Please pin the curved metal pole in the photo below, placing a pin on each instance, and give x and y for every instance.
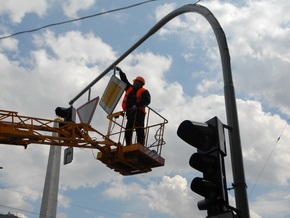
(230, 100)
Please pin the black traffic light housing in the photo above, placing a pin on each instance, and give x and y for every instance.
(68, 114)
(209, 140)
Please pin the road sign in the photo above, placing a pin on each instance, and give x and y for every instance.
(112, 94)
(86, 111)
(68, 155)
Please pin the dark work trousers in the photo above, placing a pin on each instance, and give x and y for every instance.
(135, 120)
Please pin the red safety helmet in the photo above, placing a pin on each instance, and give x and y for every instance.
(141, 79)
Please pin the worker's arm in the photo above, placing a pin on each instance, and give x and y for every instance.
(123, 77)
(145, 100)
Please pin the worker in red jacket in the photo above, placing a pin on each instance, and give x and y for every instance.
(134, 103)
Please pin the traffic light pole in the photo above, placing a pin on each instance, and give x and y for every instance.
(230, 100)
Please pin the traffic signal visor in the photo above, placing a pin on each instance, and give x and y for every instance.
(199, 135)
(204, 163)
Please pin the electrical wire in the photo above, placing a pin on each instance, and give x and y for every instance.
(77, 19)
(74, 205)
(268, 158)
(17, 209)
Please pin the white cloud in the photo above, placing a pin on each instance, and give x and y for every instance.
(74, 47)
(16, 13)
(165, 195)
(61, 215)
(259, 133)
(161, 197)
(271, 204)
(9, 45)
(72, 7)
(119, 190)
(14, 199)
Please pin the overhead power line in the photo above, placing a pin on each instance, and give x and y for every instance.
(268, 158)
(59, 201)
(18, 209)
(77, 19)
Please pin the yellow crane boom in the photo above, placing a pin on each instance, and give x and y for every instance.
(127, 160)
(24, 130)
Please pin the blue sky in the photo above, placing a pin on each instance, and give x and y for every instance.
(181, 64)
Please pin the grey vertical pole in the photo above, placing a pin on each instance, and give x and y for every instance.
(50, 191)
(240, 186)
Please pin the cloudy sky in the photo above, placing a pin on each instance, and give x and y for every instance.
(45, 69)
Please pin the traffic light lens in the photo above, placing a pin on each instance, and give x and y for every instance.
(204, 188)
(199, 135)
(203, 163)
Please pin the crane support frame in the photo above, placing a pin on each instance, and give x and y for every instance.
(24, 130)
(127, 160)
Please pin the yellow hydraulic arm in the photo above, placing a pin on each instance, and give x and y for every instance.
(23, 130)
(127, 160)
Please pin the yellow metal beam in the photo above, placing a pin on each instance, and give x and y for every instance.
(23, 130)
(127, 160)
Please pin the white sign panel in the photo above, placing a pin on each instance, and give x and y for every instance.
(112, 94)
